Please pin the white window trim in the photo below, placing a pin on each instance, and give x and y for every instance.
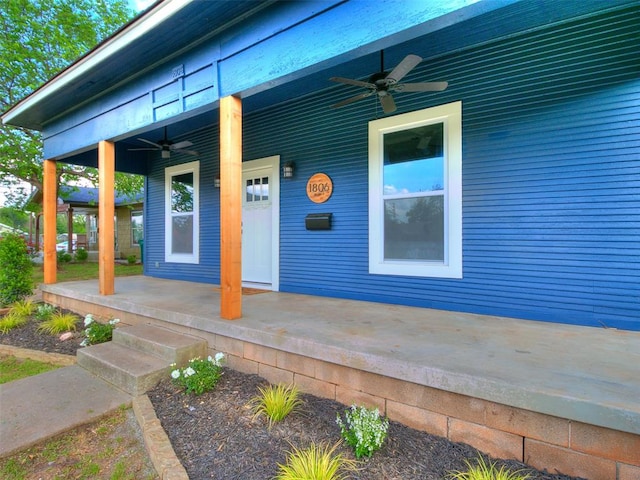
(131, 214)
(169, 172)
(451, 116)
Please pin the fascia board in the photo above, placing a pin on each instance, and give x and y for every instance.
(128, 35)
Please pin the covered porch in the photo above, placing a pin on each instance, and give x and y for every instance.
(559, 397)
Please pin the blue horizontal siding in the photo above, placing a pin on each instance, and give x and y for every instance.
(551, 181)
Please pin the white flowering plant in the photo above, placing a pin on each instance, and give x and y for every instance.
(96, 332)
(363, 429)
(200, 375)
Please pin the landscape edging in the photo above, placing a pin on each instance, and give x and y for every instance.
(40, 356)
(157, 442)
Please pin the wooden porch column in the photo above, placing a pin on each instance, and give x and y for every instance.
(49, 212)
(70, 230)
(106, 199)
(230, 208)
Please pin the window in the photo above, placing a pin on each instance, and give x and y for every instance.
(182, 231)
(415, 194)
(137, 228)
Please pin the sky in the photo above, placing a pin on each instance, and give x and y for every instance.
(139, 5)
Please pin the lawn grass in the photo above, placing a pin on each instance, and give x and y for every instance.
(12, 368)
(108, 449)
(83, 271)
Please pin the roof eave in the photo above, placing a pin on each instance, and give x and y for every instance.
(139, 26)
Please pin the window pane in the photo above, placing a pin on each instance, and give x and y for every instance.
(182, 193)
(265, 188)
(137, 231)
(249, 191)
(414, 229)
(413, 160)
(182, 234)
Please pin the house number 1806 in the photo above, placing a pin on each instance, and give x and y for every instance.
(319, 188)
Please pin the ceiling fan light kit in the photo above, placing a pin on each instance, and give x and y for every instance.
(383, 84)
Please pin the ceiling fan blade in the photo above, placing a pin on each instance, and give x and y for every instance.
(405, 66)
(349, 81)
(181, 145)
(421, 87)
(150, 142)
(352, 99)
(388, 105)
(188, 152)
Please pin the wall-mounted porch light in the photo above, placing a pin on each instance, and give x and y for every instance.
(216, 181)
(287, 169)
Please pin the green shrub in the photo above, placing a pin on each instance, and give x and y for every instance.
(82, 255)
(131, 259)
(44, 311)
(317, 462)
(276, 402)
(484, 471)
(59, 322)
(96, 332)
(363, 429)
(15, 270)
(199, 375)
(11, 321)
(64, 257)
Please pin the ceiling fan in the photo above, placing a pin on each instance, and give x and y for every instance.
(166, 146)
(384, 83)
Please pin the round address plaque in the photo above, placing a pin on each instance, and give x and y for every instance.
(319, 188)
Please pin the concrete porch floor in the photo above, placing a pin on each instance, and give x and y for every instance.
(582, 374)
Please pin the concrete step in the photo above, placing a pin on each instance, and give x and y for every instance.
(160, 342)
(130, 370)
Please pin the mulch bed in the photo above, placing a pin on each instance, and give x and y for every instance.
(215, 435)
(28, 336)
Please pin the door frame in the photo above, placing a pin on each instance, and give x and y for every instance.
(274, 192)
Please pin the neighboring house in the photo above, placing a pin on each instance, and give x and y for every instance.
(128, 224)
(514, 192)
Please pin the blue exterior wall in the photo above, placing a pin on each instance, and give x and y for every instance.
(551, 181)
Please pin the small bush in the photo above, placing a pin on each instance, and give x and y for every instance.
(97, 332)
(64, 257)
(23, 308)
(11, 321)
(44, 311)
(199, 375)
(15, 270)
(484, 471)
(363, 429)
(82, 255)
(276, 402)
(317, 462)
(59, 322)
(131, 259)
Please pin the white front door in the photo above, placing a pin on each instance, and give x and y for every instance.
(258, 226)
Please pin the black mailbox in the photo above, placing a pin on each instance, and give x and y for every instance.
(318, 221)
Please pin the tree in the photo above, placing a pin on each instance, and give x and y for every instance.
(39, 39)
(15, 218)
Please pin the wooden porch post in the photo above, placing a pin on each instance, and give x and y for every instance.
(230, 208)
(70, 230)
(106, 199)
(49, 211)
